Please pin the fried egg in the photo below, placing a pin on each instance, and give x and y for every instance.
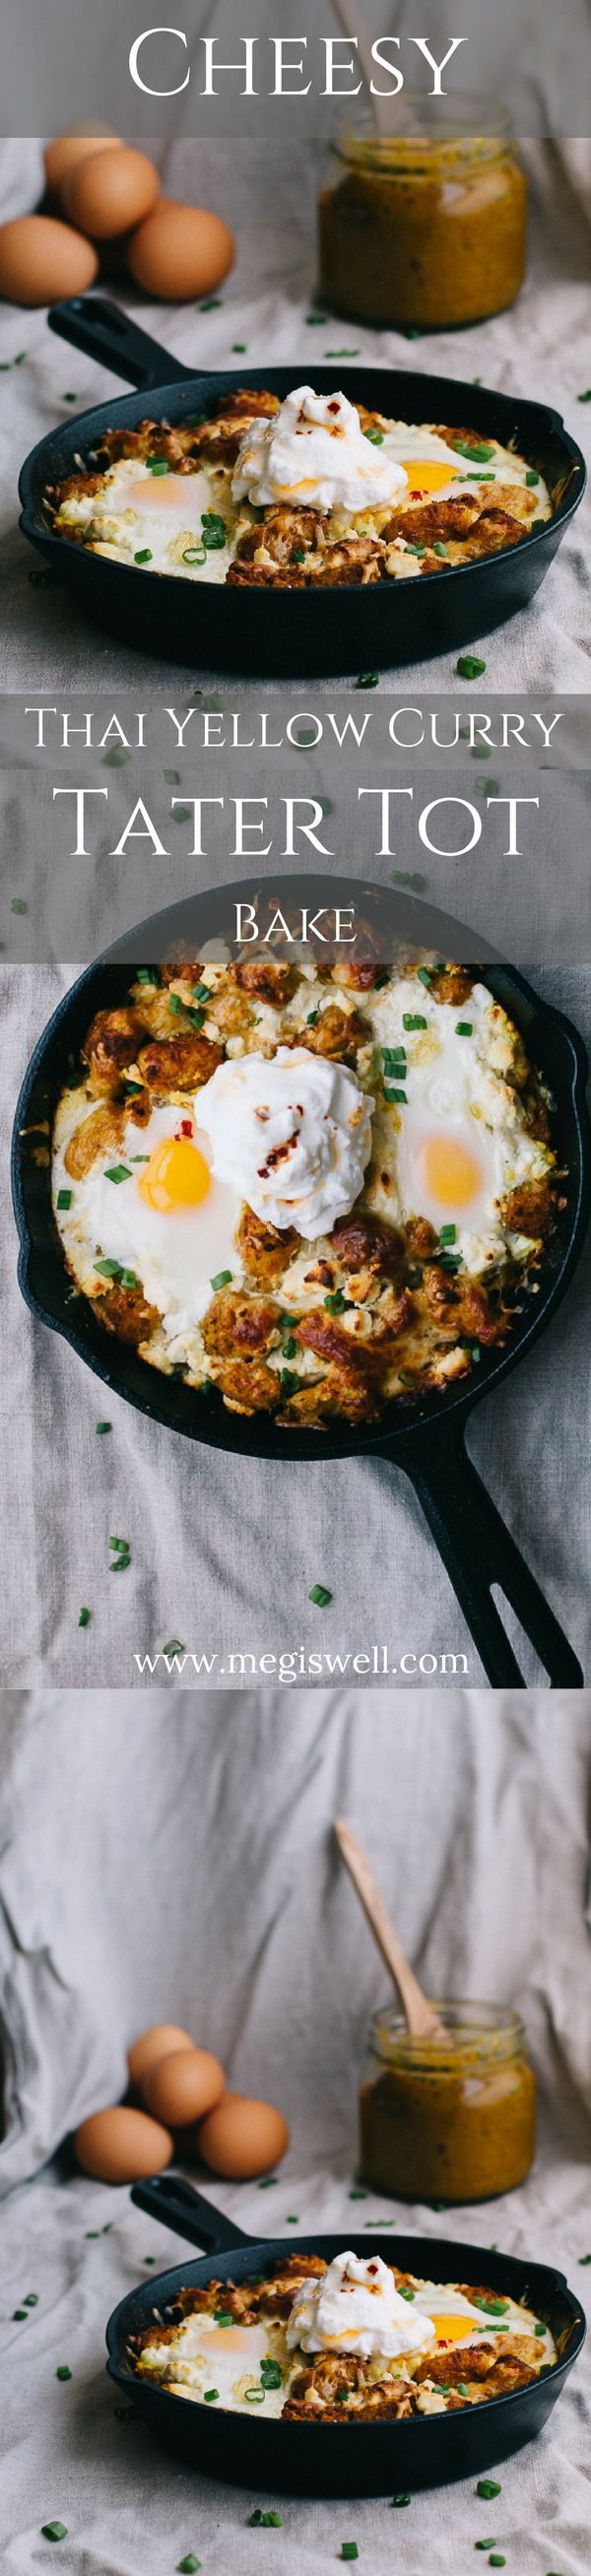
(437, 470)
(221, 2364)
(163, 1215)
(461, 1142)
(159, 519)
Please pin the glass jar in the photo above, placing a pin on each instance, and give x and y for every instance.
(448, 2120)
(427, 229)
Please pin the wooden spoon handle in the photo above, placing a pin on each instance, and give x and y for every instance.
(421, 2020)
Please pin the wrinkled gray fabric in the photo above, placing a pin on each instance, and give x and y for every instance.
(540, 349)
(176, 1860)
(225, 1551)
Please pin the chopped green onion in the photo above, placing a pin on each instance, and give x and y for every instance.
(214, 529)
(313, 1016)
(222, 1279)
(129, 1279)
(488, 2487)
(289, 1348)
(157, 465)
(539, 2330)
(402, 2499)
(375, 436)
(368, 680)
(438, 547)
(19, 2316)
(461, 2388)
(272, 2521)
(222, 2316)
(335, 1303)
(394, 1060)
(62, 2371)
(320, 1596)
(118, 1172)
(396, 1095)
(424, 976)
(464, 1028)
(407, 2294)
(188, 2566)
(209, 2396)
(469, 666)
(413, 550)
(17, 904)
(270, 2373)
(147, 975)
(212, 305)
(313, 319)
(535, 525)
(54, 2530)
(64, 1198)
(413, 1020)
(477, 454)
(83, 1618)
(194, 554)
(108, 1269)
(254, 2396)
(299, 555)
(532, 478)
(102, 1427)
(448, 1234)
(289, 1381)
(145, 555)
(201, 993)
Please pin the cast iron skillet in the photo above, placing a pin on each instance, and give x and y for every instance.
(427, 1441)
(335, 2459)
(284, 632)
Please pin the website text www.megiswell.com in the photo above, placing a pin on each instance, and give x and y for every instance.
(375, 1662)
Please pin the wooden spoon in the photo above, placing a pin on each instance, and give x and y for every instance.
(385, 111)
(421, 2020)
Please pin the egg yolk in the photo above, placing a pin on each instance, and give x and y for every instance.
(452, 2329)
(176, 1176)
(228, 2339)
(427, 476)
(160, 492)
(451, 1175)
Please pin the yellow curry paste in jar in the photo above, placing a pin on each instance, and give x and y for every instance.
(428, 230)
(448, 2121)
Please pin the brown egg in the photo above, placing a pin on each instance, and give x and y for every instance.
(61, 155)
(41, 260)
(180, 252)
(109, 191)
(122, 2146)
(154, 2044)
(242, 2138)
(184, 2086)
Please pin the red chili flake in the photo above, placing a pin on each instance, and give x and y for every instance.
(334, 406)
(186, 1127)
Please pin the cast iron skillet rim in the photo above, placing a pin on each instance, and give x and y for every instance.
(314, 1446)
(268, 2248)
(544, 413)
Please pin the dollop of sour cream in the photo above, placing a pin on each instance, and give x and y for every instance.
(292, 1135)
(355, 2307)
(314, 453)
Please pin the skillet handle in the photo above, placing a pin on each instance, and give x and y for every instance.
(478, 1552)
(175, 2203)
(103, 331)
